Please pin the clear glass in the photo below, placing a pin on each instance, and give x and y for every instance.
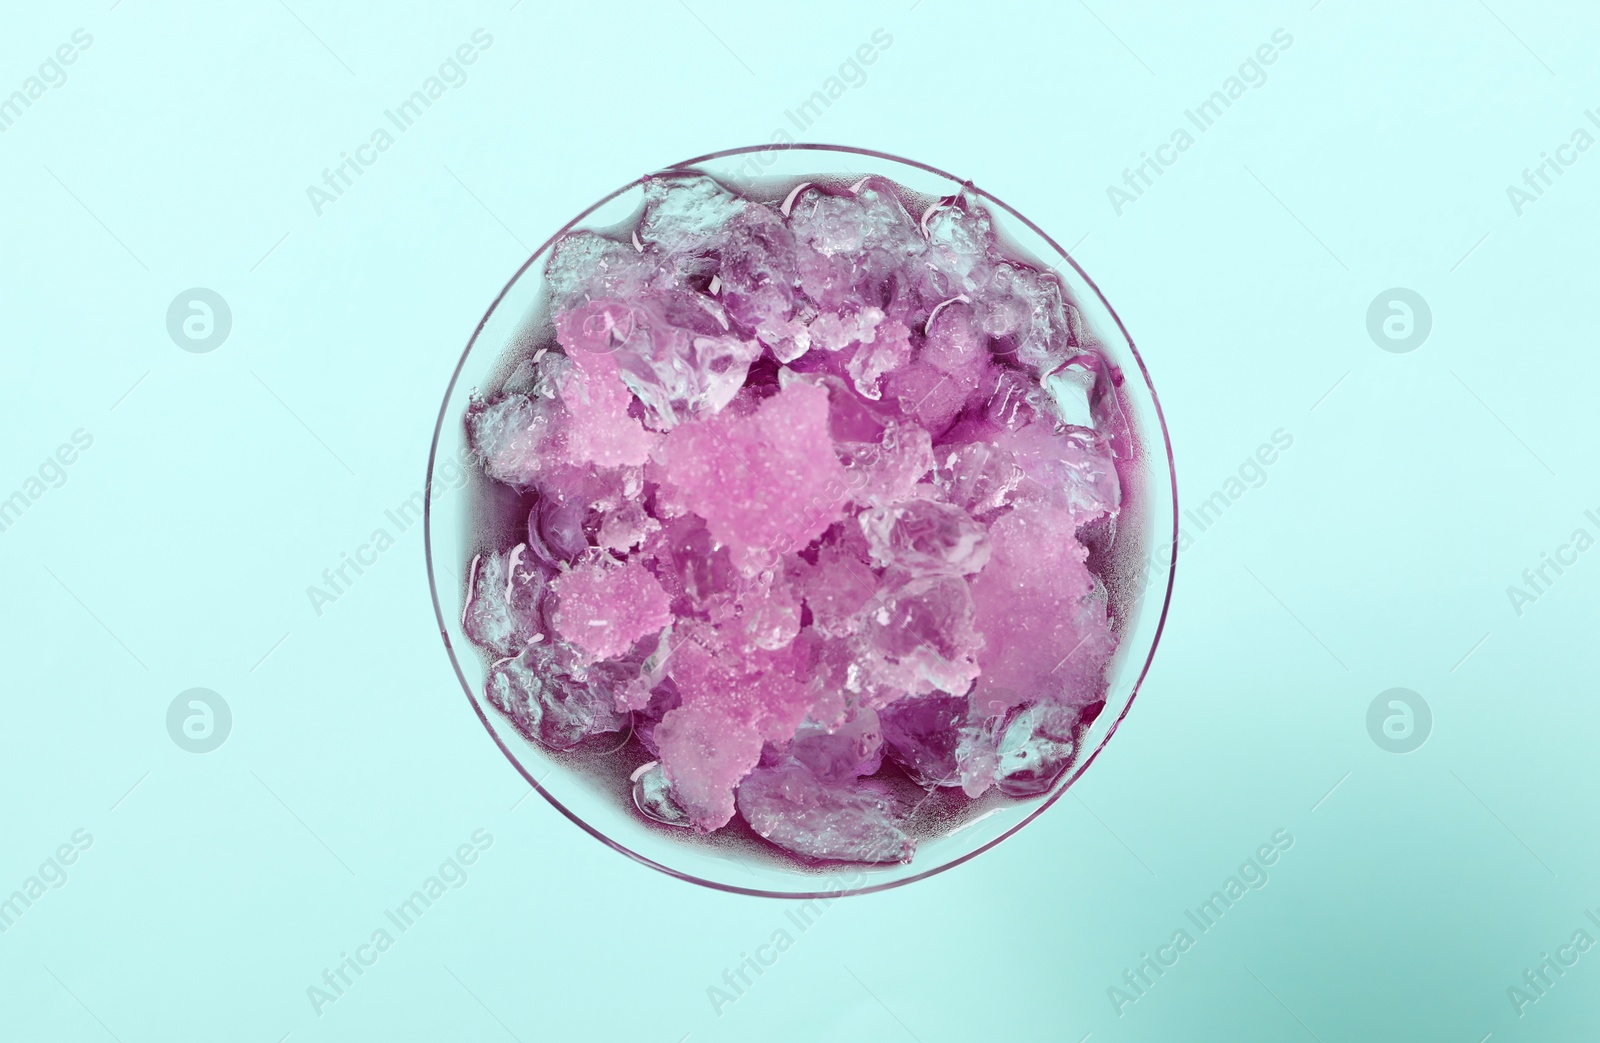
(1139, 561)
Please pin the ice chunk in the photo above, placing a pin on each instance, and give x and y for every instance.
(1072, 468)
(503, 600)
(890, 469)
(1042, 632)
(733, 700)
(703, 756)
(759, 481)
(600, 431)
(978, 755)
(682, 211)
(586, 263)
(626, 528)
(547, 704)
(1026, 313)
(924, 537)
(679, 361)
(847, 823)
(725, 677)
(930, 397)
(837, 588)
(603, 609)
(955, 346)
(764, 612)
(663, 698)
(1014, 399)
(652, 795)
(960, 238)
(919, 636)
(979, 477)
(1037, 745)
(756, 280)
(831, 331)
(851, 749)
(920, 734)
(885, 350)
(516, 437)
(690, 563)
(555, 529)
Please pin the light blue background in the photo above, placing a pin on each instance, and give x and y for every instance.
(1377, 555)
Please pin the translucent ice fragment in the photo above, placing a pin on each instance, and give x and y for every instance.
(1036, 746)
(960, 238)
(1072, 467)
(888, 470)
(978, 476)
(920, 734)
(756, 280)
(850, 749)
(930, 397)
(866, 224)
(516, 437)
(832, 331)
(626, 528)
(503, 599)
(683, 210)
(924, 537)
(663, 697)
(1026, 314)
(763, 612)
(919, 637)
(831, 822)
(954, 343)
(733, 699)
(588, 264)
(716, 672)
(555, 529)
(548, 705)
(600, 430)
(884, 350)
(837, 588)
(653, 796)
(690, 562)
(978, 755)
(703, 756)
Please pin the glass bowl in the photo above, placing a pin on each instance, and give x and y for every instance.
(1135, 554)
